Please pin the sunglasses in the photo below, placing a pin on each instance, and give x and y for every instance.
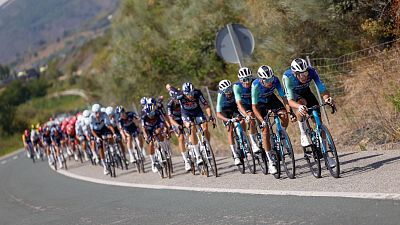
(228, 91)
(246, 80)
(269, 80)
(303, 74)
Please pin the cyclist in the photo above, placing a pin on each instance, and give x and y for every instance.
(189, 99)
(242, 92)
(175, 118)
(88, 134)
(263, 98)
(297, 80)
(46, 139)
(227, 111)
(71, 137)
(56, 136)
(35, 139)
(153, 123)
(80, 123)
(112, 116)
(100, 127)
(26, 140)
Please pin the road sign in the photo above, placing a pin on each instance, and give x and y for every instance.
(233, 42)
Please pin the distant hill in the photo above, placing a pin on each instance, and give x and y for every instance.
(27, 26)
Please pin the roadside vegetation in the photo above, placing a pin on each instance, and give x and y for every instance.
(152, 43)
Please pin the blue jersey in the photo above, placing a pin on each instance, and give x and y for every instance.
(128, 123)
(174, 110)
(225, 103)
(192, 106)
(262, 94)
(97, 124)
(151, 122)
(294, 86)
(242, 93)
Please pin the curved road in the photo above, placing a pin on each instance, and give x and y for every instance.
(34, 194)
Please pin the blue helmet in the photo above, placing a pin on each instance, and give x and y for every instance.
(187, 88)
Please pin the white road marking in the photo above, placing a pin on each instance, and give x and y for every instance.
(386, 196)
(15, 157)
(3, 162)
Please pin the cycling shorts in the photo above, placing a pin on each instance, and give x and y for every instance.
(273, 103)
(309, 97)
(196, 118)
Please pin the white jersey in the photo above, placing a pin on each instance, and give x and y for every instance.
(98, 124)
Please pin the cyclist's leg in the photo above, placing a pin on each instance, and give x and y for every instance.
(253, 129)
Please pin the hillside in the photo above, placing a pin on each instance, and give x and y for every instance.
(27, 26)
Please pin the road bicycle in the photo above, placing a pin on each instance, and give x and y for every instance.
(243, 149)
(322, 147)
(282, 150)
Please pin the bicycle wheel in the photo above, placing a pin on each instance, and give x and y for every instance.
(276, 159)
(32, 153)
(249, 159)
(288, 160)
(313, 161)
(64, 161)
(331, 152)
(241, 166)
(169, 167)
(211, 159)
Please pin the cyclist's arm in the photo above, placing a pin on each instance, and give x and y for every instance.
(255, 91)
(282, 94)
(287, 83)
(321, 86)
(238, 98)
(219, 108)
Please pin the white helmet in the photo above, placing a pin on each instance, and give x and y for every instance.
(244, 72)
(103, 109)
(79, 118)
(224, 84)
(143, 101)
(96, 108)
(299, 65)
(86, 113)
(265, 72)
(109, 111)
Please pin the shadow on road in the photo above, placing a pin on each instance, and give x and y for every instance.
(372, 166)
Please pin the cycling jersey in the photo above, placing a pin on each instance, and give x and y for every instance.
(191, 107)
(128, 124)
(34, 135)
(295, 88)
(151, 124)
(227, 105)
(242, 94)
(174, 111)
(97, 124)
(161, 108)
(46, 138)
(262, 94)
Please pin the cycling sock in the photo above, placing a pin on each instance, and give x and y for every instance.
(152, 158)
(253, 139)
(233, 151)
(197, 150)
(103, 163)
(184, 156)
(302, 126)
(130, 151)
(269, 156)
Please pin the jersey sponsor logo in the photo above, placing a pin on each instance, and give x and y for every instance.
(190, 105)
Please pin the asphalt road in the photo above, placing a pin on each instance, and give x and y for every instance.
(34, 194)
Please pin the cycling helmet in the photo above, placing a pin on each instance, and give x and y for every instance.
(96, 108)
(244, 72)
(265, 72)
(86, 113)
(150, 108)
(109, 111)
(187, 88)
(299, 65)
(224, 85)
(103, 109)
(80, 117)
(143, 101)
(119, 109)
